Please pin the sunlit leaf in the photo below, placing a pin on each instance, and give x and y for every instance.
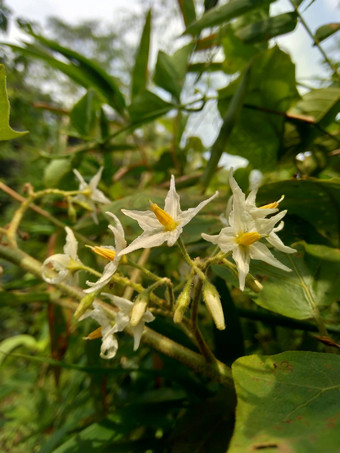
(187, 8)
(223, 13)
(84, 113)
(268, 28)
(287, 402)
(147, 106)
(140, 70)
(55, 171)
(6, 132)
(325, 31)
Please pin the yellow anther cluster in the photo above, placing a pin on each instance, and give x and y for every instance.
(248, 238)
(163, 217)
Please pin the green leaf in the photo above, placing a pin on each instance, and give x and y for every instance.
(55, 171)
(316, 201)
(84, 113)
(268, 28)
(9, 344)
(96, 76)
(140, 70)
(226, 130)
(188, 12)
(257, 132)
(6, 132)
(311, 283)
(170, 71)
(148, 106)
(93, 439)
(224, 13)
(237, 53)
(287, 402)
(327, 30)
(322, 104)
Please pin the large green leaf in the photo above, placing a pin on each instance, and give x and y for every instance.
(287, 403)
(258, 131)
(6, 132)
(187, 8)
(147, 106)
(311, 284)
(171, 70)
(84, 113)
(223, 13)
(140, 70)
(268, 28)
(316, 201)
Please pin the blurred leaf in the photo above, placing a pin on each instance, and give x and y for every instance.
(55, 171)
(170, 71)
(268, 28)
(258, 131)
(223, 13)
(327, 30)
(83, 114)
(148, 106)
(287, 402)
(237, 53)
(187, 8)
(6, 132)
(140, 70)
(229, 120)
(93, 439)
(322, 104)
(8, 345)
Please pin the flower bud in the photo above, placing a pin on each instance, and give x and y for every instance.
(138, 309)
(213, 302)
(182, 303)
(84, 304)
(253, 284)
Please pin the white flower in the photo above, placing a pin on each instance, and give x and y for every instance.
(65, 264)
(246, 226)
(111, 253)
(92, 195)
(109, 344)
(123, 318)
(162, 225)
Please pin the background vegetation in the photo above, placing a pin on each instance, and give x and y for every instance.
(89, 97)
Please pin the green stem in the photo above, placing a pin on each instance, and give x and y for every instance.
(187, 258)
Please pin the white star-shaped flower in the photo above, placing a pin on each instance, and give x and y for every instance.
(162, 225)
(123, 318)
(109, 344)
(111, 253)
(246, 226)
(65, 264)
(93, 194)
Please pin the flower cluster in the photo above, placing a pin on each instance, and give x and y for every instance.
(247, 233)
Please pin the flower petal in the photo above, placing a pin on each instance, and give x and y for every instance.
(146, 219)
(71, 246)
(241, 258)
(137, 335)
(171, 204)
(259, 251)
(146, 240)
(109, 346)
(82, 181)
(59, 264)
(276, 242)
(108, 272)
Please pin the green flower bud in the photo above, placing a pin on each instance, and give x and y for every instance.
(84, 304)
(213, 302)
(253, 284)
(138, 309)
(182, 303)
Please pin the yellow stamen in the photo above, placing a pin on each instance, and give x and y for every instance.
(248, 238)
(163, 217)
(109, 254)
(273, 205)
(95, 334)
